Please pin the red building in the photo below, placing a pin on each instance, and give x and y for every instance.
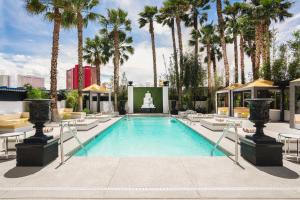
(89, 77)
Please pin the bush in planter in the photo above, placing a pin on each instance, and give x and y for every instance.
(71, 99)
(35, 93)
(87, 111)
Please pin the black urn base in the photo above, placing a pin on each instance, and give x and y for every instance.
(263, 152)
(36, 154)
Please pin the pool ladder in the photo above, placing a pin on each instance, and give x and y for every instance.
(68, 124)
(231, 124)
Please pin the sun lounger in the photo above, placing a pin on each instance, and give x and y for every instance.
(297, 121)
(214, 124)
(86, 124)
(184, 114)
(197, 117)
(100, 117)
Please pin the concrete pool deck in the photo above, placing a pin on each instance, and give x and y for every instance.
(149, 177)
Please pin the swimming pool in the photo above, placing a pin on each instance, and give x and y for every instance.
(148, 136)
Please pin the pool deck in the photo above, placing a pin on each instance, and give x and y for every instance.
(150, 177)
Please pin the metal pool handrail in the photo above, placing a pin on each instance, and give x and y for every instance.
(230, 124)
(67, 124)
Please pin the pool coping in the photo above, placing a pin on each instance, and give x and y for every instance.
(227, 153)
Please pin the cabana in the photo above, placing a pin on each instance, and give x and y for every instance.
(223, 99)
(94, 91)
(259, 88)
(295, 104)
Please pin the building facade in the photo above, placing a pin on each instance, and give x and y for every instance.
(89, 77)
(4, 80)
(34, 81)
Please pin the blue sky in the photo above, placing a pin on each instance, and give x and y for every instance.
(25, 41)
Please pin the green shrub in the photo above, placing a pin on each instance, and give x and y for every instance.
(71, 99)
(35, 93)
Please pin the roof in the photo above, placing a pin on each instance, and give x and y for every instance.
(231, 87)
(296, 80)
(10, 89)
(259, 83)
(96, 88)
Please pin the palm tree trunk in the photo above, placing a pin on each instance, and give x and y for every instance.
(252, 56)
(208, 50)
(214, 71)
(257, 50)
(236, 59)
(80, 55)
(195, 23)
(176, 61)
(242, 59)
(116, 60)
(53, 71)
(179, 35)
(151, 30)
(264, 43)
(98, 72)
(223, 41)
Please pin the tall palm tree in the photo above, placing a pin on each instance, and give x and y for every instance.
(221, 24)
(264, 12)
(207, 39)
(96, 52)
(196, 11)
(116, 20)
(178, 9)
(232, 12)
(148, 17)
(53, 10)
(167, 18)
(80, 13)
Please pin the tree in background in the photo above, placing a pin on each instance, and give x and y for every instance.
(178, 8)
(147, 16)
(80, 13)
(221, 24)
(96, 52)
(232, 13)
(167, 17)
(54, 11)
(114, 23)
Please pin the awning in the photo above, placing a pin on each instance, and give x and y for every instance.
(259, 83)
(96, 89)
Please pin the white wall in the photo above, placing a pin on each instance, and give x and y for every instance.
(130, 99)
(165, 99)
(7, 107)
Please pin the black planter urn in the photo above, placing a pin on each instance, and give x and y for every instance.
(122, 110)
(260, 149)
(39, 149)
(174, 111)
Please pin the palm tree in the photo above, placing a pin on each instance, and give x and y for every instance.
(115, 21)
(264, 12)
(232, 12)
(148, 16)
(80, 13)
(207, 39)
(221, 24)
(53, 10)
(96, 52)
(178, 9)
(167, 18)
(197, 9)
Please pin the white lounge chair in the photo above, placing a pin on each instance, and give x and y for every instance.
(184, 114)
(215, 124)
(197, 117)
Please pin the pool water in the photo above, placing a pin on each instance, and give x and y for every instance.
(148, 136)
